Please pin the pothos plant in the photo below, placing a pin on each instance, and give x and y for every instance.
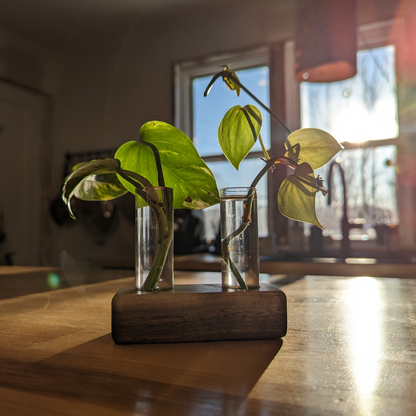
(163, 157)
(306, 150)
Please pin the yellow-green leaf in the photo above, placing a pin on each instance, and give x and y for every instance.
(238, 132)
(194, 185)
(313, 146)
(296, 197)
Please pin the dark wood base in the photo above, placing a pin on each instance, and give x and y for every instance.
(198, 313)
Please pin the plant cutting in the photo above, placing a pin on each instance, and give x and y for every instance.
(306, 150)
(163, 157)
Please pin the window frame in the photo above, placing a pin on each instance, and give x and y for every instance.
(186, 72)
(285, 102)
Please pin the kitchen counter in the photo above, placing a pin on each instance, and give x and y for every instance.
(350, 349)
(316, 266)
(25, 280)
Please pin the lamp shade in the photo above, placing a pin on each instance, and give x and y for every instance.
(326, 40)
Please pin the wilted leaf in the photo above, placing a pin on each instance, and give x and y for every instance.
(194, 186)
(229, 82)
(75, 180)
(296, 197)
(100, 188)
(238, 132)
(313, 146)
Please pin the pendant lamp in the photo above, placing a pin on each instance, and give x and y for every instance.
(326, 40)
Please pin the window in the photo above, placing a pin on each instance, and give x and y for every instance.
(200, 117)
(358, 109)
(360, 112)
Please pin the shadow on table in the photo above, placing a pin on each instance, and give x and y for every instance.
(285, 280)
(183, 379)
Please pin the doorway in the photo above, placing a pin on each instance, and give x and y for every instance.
(23, 173)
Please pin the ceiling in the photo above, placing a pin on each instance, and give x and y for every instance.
(51, 22)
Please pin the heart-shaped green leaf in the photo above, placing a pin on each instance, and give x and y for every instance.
(105, 188)
(313, 146)
(238, 132)
(296, 197)
(194, 186)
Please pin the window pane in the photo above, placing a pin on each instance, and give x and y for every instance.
(208, 111)
(371, 192)
(207, 115)
(357, 109)
(227, 176)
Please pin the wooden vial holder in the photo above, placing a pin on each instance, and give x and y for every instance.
(198, 313)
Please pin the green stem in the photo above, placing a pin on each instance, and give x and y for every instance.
(225, 243)
(138, 180)
(160, 210)
(270, 164)
(160, 178)
(263, 147)
(237, 275)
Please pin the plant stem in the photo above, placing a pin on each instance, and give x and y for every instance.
(246, 218)
(160, 210)
(225, 243)
(138, 181)
(263, 147)
(270, 165)
(160, 178)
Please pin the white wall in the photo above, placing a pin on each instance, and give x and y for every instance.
(28, 63)
(114, 83)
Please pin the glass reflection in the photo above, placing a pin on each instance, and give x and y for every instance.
(365, 338)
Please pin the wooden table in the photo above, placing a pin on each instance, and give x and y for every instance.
(350, 349)
(25, 280)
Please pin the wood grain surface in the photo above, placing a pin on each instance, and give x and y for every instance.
(349, 350)
(192, 313)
